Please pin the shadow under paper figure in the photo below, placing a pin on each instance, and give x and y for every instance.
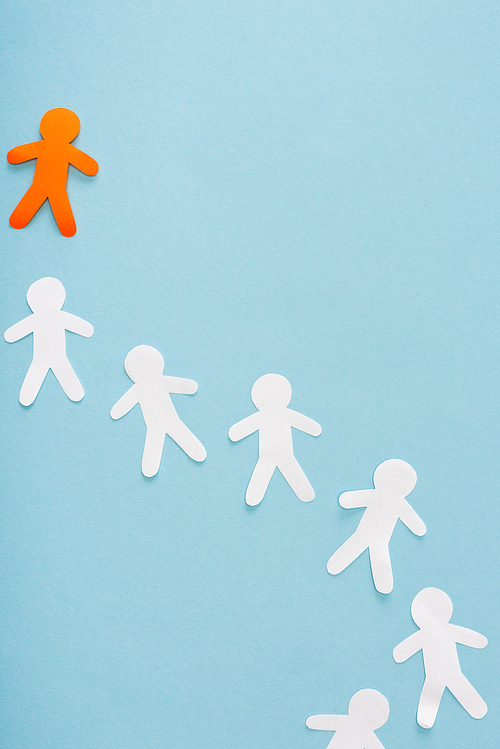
(431, 611)
(385, 505)
(271, 395)
(53, 154)
(144, 365)
(49, 324)
(368, 710)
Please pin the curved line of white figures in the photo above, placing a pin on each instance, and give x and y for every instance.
(385, 504)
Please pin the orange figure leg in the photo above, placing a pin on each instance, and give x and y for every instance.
(61, 208)
(27, 207)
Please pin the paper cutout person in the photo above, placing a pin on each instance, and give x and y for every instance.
(49, 324)
(368, 710)
(53, 155)
(144, 365)
(385, 504)
(431, 611)
(271, 395)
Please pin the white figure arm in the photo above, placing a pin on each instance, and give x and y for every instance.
(76, 325)
(244, 427)
(359, 498)
(408, 647)
(304, 423)
(181, 385)
(19, 330)
(326, 722)
(410, 518)
(125, 404)
(468, 637)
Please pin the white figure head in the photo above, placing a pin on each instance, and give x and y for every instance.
(46, 294)
(430, 607)
(143, 363)
(270, 392)
(369, 708)
(395, 476)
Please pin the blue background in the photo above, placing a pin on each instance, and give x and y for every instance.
(303, 188)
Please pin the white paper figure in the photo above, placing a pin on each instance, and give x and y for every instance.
(368, 710)
(49, 324)
(144, 365)
(431, 611)
(274, 421)
(385, 504)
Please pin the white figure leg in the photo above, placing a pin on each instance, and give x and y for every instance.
(381, 567)
(153, 449)
(32, 383)
(348, 552)
(191, 445)
(259, 481)
(465, 693)
(297, 479)
(68, 380)
(429, 702)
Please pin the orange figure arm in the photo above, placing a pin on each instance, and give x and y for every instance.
(19, 154)
(83, 162)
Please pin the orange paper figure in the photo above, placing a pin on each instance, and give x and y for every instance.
(54, 154)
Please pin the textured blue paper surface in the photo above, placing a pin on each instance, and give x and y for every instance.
(302, 188)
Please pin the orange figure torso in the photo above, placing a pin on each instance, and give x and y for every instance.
(53, 155)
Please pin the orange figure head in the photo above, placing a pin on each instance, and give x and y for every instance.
(61, 125)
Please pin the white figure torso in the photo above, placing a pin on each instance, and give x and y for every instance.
(275, 434)
(49, 336)
(154, 399)
(439, 650)
(381, 515)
